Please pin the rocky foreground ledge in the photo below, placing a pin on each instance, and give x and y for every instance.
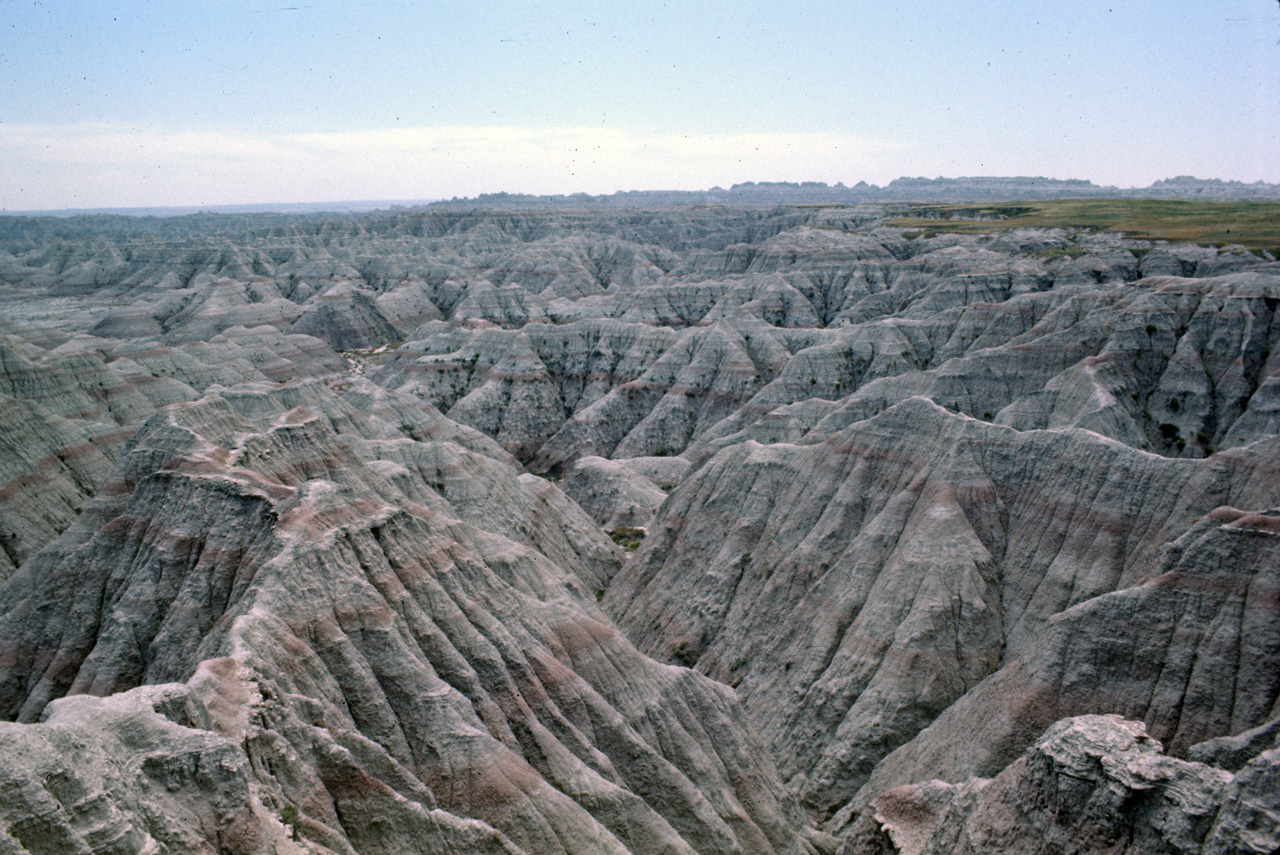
(685, 531)
(1090, 784)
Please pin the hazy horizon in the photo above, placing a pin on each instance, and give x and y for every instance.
(353, 206)
(126, 105)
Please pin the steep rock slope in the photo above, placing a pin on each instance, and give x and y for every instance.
(1194, 652)
(860, 304)
(68, 404)
(401, 676)
(853, 590)
(136, 772)
(1177, 366)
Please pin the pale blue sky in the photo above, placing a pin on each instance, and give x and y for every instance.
(181, 103)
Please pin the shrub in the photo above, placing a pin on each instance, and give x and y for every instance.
(627, 537)
(684, 655)
(289, 815)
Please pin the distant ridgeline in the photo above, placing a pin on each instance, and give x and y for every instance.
(24, 229)
(982, 189)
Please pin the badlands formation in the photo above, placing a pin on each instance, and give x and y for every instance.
(686, 530)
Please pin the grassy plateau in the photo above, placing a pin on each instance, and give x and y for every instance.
(1254, 225)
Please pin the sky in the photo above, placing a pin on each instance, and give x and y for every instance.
(128, 104)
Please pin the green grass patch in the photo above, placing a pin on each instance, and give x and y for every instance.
(1255, 225)
(627, 537)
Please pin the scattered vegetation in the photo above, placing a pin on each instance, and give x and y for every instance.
(684, 655)
(1254, 225)
(290, 816)
(627, 537)
(1172, 435)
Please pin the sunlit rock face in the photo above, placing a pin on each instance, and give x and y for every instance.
(305, 536)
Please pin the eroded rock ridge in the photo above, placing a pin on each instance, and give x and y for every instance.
(709, 529)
